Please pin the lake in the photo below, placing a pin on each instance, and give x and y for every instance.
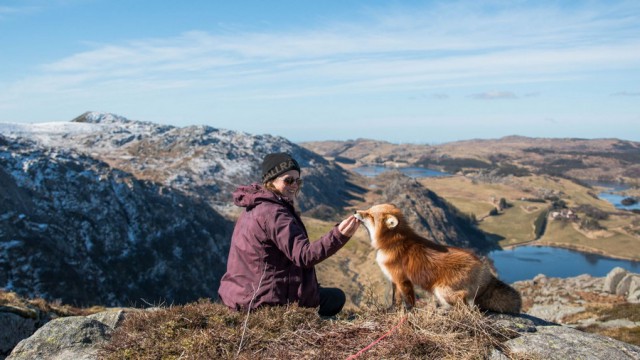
(525, 262)
(616, 200)
(612, 194)
(412, 171)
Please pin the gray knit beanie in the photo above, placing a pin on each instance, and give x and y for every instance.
(276, 164)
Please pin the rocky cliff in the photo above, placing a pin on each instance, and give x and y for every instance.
(75, 229)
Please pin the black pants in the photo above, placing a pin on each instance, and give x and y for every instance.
(331, 301)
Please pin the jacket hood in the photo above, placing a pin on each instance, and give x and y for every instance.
(249, 196)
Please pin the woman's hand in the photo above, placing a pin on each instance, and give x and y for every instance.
(349, 226)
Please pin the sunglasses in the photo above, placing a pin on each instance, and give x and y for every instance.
(290, 180)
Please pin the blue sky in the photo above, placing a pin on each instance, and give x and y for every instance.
(414, 71)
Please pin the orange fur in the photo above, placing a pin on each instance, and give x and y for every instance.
(454, 275)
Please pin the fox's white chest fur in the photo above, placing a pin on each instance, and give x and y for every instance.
(381, 259)
(370, 229)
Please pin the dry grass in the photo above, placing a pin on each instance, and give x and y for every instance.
(606, 309)
(208, 330)
(26, 307)
(628, 335)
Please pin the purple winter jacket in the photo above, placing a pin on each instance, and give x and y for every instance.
(271, 259)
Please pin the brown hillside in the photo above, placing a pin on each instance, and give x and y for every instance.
(585, 159)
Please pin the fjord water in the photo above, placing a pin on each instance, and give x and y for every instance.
(525, 262)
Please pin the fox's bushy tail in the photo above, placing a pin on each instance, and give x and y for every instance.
(499, 297)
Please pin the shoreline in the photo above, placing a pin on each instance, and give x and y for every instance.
(584, 249)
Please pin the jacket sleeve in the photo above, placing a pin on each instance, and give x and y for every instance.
(292, 240)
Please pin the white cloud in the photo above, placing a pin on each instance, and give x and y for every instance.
(494, 95)
(626, 93)
(449, 45)
(14, 10)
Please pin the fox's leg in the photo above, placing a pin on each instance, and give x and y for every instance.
(394, 296)
(406, 289)
(441, 297)
(448, 297)
(460, 297)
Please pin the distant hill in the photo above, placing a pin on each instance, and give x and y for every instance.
(584, 159)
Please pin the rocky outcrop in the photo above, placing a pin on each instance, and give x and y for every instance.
(17, 323)
(613, 279)
(540, 339)
(73, 337)
(624, 283)
(584, 302)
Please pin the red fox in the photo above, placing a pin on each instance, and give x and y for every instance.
(454, 275)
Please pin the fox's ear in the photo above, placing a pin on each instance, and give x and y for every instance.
(391, 221)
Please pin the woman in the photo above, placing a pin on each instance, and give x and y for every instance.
(271, 260)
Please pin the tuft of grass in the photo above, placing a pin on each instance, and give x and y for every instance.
(207, 329)
(627, 311)
(622, 311)
(11, 300)
(628, 335)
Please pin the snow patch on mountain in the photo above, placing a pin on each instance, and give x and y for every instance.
(50, 133)
(200, 160)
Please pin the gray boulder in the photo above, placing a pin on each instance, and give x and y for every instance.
(554, 312)
(613, 279)
(624, 286)
(17, 323)
(551, 341)
(112, 317)
(634, 285)
(74, 337)
(13, 329)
